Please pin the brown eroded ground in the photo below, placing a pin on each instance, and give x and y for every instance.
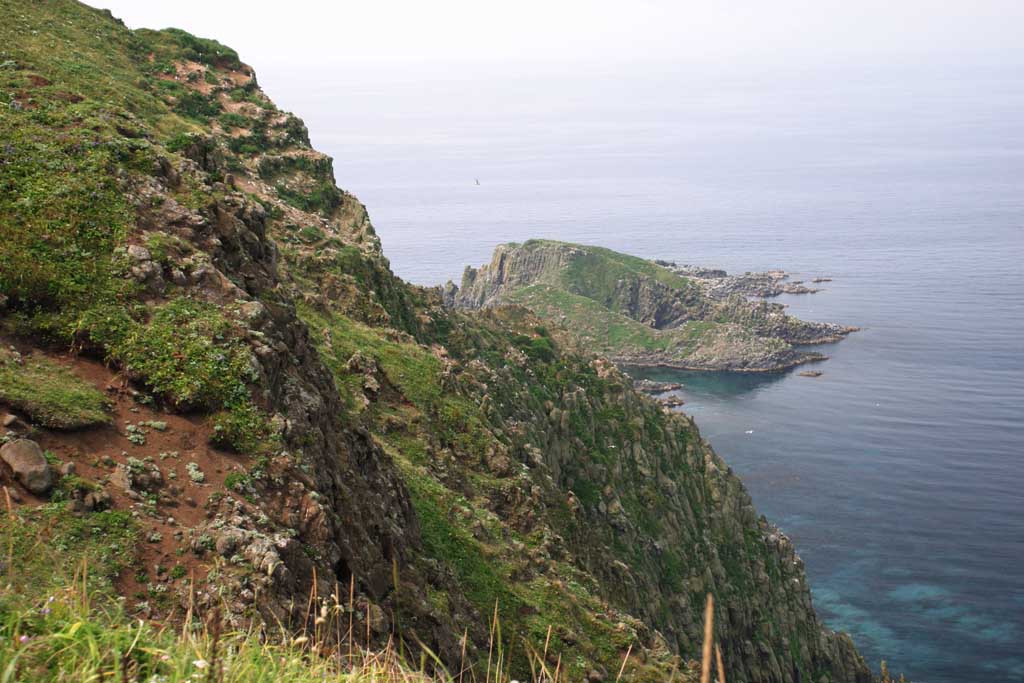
(165, 511)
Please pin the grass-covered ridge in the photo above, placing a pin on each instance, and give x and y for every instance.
(629, 309)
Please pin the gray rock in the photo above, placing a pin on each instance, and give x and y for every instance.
(138, 253)
(30, 467)
(67, 469)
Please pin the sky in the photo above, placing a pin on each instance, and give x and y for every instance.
(568, 33)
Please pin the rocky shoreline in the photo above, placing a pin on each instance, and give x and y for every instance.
(762, 285)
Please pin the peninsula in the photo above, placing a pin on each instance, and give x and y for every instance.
(648, 313)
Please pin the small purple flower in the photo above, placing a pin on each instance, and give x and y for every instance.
(23, 639)
(45, 611)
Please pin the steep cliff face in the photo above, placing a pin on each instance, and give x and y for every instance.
(638, 311)
(164, 216)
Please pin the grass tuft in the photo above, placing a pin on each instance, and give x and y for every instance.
(49, 394)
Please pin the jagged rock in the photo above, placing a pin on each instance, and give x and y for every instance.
(29, 465)
(650, 386)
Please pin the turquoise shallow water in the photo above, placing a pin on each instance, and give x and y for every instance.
(899, 473)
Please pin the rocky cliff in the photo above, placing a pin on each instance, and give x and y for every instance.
(183, 283)
(641, 312)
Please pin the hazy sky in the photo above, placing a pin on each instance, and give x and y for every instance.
(725, 33)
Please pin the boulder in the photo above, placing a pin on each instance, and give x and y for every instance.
(26, 459)
(138, 253)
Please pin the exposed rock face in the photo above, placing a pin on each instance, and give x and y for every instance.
(26, 460)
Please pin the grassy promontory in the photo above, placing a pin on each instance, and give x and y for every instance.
(638, 312)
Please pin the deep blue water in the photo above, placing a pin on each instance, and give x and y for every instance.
(900, 472)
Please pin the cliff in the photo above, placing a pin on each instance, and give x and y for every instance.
(243, 410)
(641, 312)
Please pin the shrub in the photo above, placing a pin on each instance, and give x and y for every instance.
(196, 105)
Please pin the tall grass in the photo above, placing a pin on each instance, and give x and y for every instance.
(61, 622)
(73, 636)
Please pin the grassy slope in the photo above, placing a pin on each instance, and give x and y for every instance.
(598, 268)
(606, 331)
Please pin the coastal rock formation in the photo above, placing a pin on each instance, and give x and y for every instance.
(719, 284)
(329, 426)
(642, 312)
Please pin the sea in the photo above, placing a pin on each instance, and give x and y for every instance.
(898, 473)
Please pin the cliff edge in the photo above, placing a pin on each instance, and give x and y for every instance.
(220, 399)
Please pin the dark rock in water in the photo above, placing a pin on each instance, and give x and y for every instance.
(651, 386)
(811, 373)
(30, 468)
(671, 401)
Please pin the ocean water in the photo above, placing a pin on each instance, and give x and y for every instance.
(899, 473)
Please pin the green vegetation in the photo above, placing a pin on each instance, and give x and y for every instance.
(232, 120)
(173, 43)
(49, 394)
(596, 270)
(478, 574)
(322, 196)
(51, 545)
(61, 207)
(608, 332)
(198, 106)
(632, 310)
(410, 367)
(187, 352)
